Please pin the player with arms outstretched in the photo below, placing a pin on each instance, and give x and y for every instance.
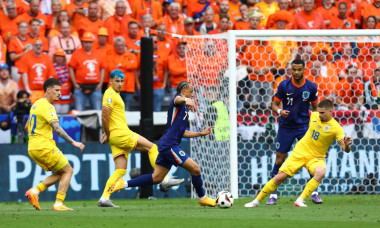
(296, 94)
(170, 152)
(42, 149)
(121, 139)
(309, 152)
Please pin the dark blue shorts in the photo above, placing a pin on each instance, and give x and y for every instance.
(171, 156)
(286, 137)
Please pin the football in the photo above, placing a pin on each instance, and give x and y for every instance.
(224, 199)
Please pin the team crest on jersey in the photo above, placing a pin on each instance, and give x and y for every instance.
(277, 145)
(327, 127)
(305, 95)
(182, 153)
(109, 100)
(52, 113)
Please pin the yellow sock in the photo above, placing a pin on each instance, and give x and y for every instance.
(60, 197)
(268, 189)
(41, 187)
(310, 187)
(113, 178)
(153, 153)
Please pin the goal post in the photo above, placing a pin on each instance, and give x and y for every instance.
(241, 151)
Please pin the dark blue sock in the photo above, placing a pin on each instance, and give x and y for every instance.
(142, 180)
(274, 173)
(198, 183)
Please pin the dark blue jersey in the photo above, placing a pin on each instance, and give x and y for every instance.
(296, 99)
(177, 122)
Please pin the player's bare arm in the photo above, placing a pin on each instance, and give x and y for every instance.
(106, 112)
(346, 144)
(192, 134)
(61, 133)
(185, 100)
(276, 107)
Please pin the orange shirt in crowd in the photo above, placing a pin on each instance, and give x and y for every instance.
(38, 70)
(260, 56)
(127, 63)
(17, 46)
(3, 50)
(241, 25)
(328, 14)
(350, 3)
(194, 7)
(86, 25)
(176, 26)
(106, 51)
(41, 17)
(117, 26)
(267, 10)
(349, 92)
(133, 43)
(233, 10)
(45, 43)
(370, 10)
(336, 22)
(166, 46)
(160, 64)
(141, 8)
(75, 16)
(309, 21)
(87, 66)
(177, 69)
(9, 27)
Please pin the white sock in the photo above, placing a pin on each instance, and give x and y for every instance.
(35, 191)
(125, 184)
(103, 198)
(255, 201)
(299, 199)
(273, 196)
(202, 198)
(314, 193)
(58, 204)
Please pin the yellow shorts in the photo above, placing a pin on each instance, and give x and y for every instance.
(295, 162)
(49, 159)
(122, 142)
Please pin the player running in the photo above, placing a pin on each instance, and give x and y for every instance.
(170, 152)
(296, 94)
(121, 139)
(42, 149)
(309, 152)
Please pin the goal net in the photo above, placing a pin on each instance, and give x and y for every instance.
(235, 76)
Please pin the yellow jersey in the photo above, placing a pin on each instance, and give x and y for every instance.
(319, 137)
(113, 101)
(40, 132)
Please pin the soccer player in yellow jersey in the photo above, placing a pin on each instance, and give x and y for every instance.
(310, 152)
(42, 149)
(121, 139)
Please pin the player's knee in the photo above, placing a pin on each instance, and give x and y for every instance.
(280, 177)
(319, 172)
(157, 178)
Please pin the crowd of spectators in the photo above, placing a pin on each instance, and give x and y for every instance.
(81, 41)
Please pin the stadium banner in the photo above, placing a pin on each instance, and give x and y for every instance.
(345, 172)
(92, 168)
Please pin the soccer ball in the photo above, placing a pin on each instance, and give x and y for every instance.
(224, 199)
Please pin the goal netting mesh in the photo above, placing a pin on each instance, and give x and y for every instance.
(345, 70)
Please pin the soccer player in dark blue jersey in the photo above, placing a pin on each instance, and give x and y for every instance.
(169, 150)
(296, 94)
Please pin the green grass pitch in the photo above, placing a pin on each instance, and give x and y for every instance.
(337, 211)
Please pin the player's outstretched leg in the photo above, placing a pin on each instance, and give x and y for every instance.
(104, 200)
(196, 179)
(280, 158)
(311, 186)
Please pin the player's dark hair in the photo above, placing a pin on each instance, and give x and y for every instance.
(21, 93)
(326, 104)
(51, 82)
(298, 61)
(182, 85)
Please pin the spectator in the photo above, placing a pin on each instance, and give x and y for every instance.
(87, 74)
(342, 21)
(224, 7)
(243, 22)
(233, 9)
(9, 24)
(3, 50)
(371, 22)
(372, 10)
(197, 10)
(143, 7)
(267, 7)
(17, 118)
(66, 41)
(305, 53)
(177, 67)
(164, 44)
(117, 25)
(18, 47)
(108, 8)
(34, 34)
(208, 24)
(324, 84)
(254, 16)
(296, 6)
(62, 74)
(372, 91)
(51, 19)
(63, 16)
(372, 64)
(160, 74)
(251, 3)
(174, 20)
(8, 90)
(106, 49)
(189, 27)
(126, 62)
(346, 60)
(78, 9)
(35, 12)
(133, 39)
(309, 18)
(35, 67)
(223, 25)
(92, 23)
(328, 11)
(147, 22)
(349, 91)
(353, 10)
(283, 14)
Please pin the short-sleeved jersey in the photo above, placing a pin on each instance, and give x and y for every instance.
(319, 137)
(175, 127)
(113, 101)
(40, 132)
(296, 99)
